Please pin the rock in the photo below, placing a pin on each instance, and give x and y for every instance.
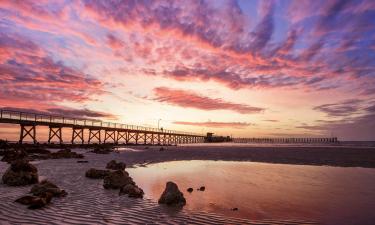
(102, 149)
(13, 154)
(234, 209)
(36, 150)
(172, 195)
(35, 202)
(20, 173)
(117, 179)
(190, 190)
(161, 149)
(202, 188)
(113, 165)
(82, 161)
(65, 153)
(132, 190)
(26, 200)
(96, 174)
(45, 187)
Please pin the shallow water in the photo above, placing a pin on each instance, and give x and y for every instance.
(328, 195)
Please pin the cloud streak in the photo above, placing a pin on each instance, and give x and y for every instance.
(211, 124)
(190, 99)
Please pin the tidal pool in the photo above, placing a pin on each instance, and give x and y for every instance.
(327, 195)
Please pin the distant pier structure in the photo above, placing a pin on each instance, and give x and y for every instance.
(113, 132)
(286, 140)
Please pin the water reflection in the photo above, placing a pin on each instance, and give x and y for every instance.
(329, 195)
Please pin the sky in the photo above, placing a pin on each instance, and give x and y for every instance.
(244, 68)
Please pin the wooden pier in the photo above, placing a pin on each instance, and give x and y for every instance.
(286, 140)
(113, 132)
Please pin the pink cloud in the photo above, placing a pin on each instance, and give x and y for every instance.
(190, 99)
(236, 125)
(29, 75)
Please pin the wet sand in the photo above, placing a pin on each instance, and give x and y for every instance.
(293, 154)
(89, 203)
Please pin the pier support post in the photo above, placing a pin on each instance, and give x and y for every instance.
(77, 133)
(54, 132)
(121, 135)
(132, 136)
(27, 130)
(109, 134)
(94, 134)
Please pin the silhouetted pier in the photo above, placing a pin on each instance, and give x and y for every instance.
(113, 132)
(286, 140)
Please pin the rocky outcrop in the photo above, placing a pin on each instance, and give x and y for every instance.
(13, 154)
(102, 149)
(117, 179)
(42, 192)
(65, 153)
(35, 202)
(36, 150)
(113, 165)
(20, 172)
(96, 174)
(132, 190)
(172, 195)
(46, 186)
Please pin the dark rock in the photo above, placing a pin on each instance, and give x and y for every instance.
(117, 179)
(113, 165)
(234, 209)
(202, 188)
(102, 149)
(26, 200)
(190, 190)
(13, 154)
(82, 161)
(132, 190)
(36, 202)
(44, 187)
(172, 195)
(20, 173)
(65, 153)
(96, 174)
(36, 150)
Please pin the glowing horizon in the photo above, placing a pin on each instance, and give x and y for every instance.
(232, 67)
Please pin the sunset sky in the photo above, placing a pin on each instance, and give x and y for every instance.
(245, 68)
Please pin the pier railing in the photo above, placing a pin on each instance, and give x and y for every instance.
(19, 117)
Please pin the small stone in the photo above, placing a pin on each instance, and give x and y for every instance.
(234, 209)
(190, 190)
(82, 161)
(202, 188)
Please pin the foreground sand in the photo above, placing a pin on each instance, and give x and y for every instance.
(89, 203)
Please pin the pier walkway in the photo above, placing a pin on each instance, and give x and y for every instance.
(113, 132)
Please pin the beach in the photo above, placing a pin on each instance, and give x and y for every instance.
(89, 203)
